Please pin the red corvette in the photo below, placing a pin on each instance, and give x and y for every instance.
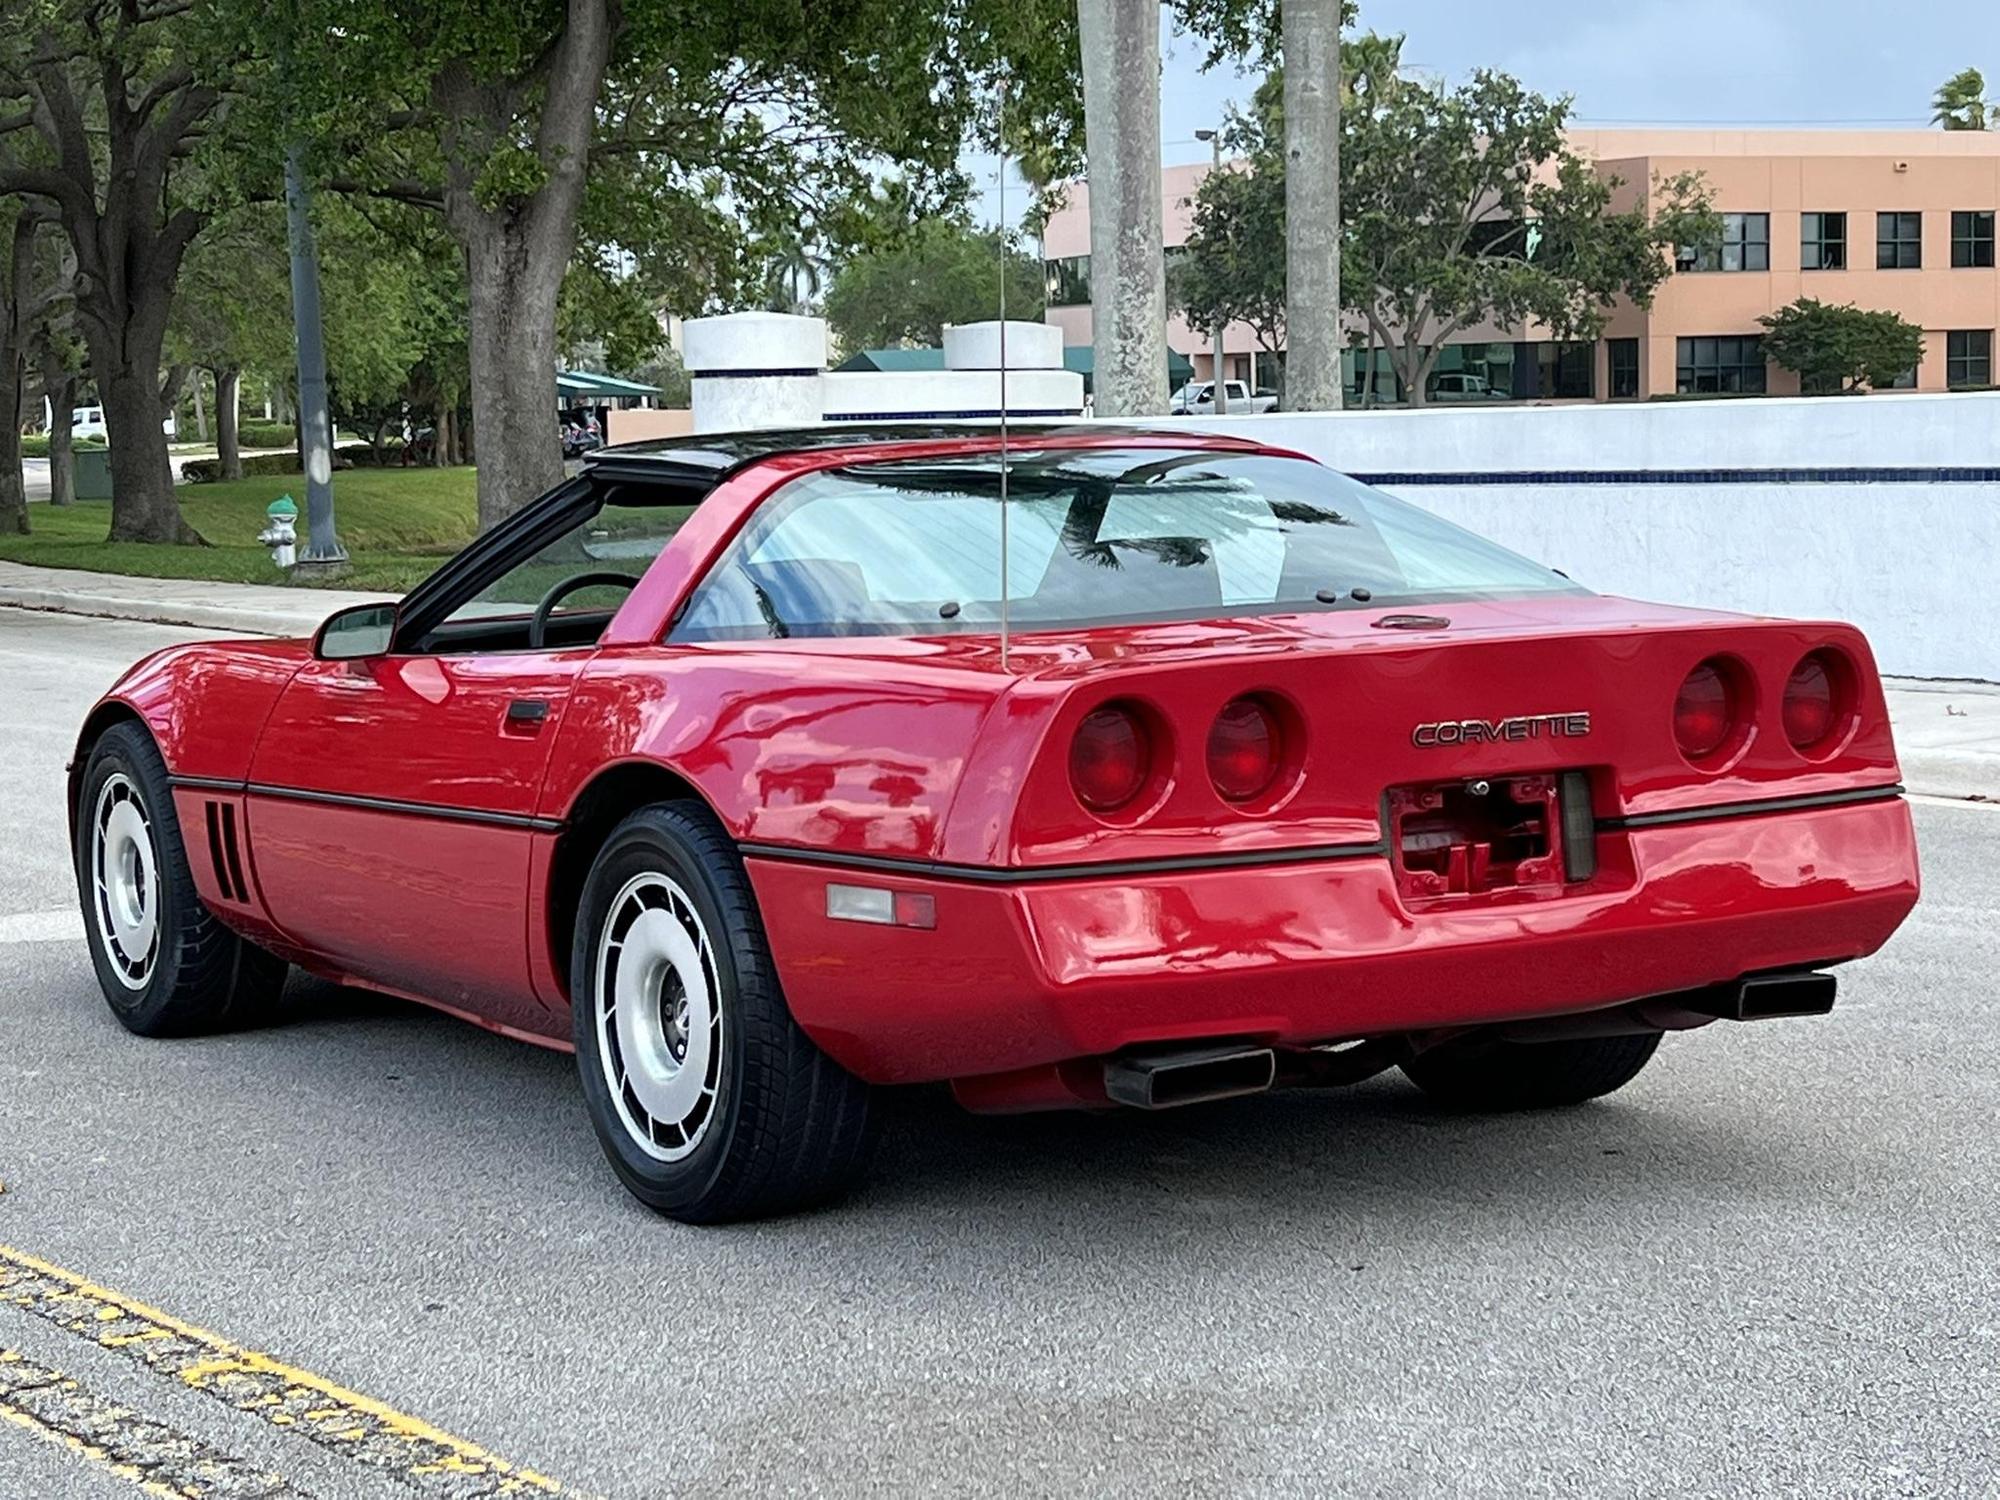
(1190, 770)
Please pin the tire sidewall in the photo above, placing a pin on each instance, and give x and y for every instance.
(124, 749)
(647, 844)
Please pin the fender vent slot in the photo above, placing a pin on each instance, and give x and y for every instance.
(223, 852)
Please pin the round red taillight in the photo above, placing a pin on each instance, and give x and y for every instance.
(1703, 713)
(1109, 758)
(1244, 747)
(1809, 710)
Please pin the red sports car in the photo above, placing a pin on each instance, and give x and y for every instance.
(1114, 768)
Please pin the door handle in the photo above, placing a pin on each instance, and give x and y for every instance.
(527, 713)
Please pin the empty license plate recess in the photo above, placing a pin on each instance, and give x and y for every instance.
(1484, 836)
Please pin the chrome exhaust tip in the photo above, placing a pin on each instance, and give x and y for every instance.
(1768, 997)
(1193, 1075)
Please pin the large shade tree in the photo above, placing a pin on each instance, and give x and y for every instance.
(1467, 205)
(110, 110)
(678, 135)
(943, 271)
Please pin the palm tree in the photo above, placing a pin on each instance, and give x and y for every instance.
(796, 277)
(1312, 204)
(1120, 42)
(1960, 102)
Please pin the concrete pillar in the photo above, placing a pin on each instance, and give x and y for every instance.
(976, 346)
(755, 369)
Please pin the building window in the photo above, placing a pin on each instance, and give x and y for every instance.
(1822, 242)
(1730, 362)
(1972, 237)
(1899, 242)
(1968, 357)
(1068, 280)
(1624, 363)
(1745, 246)
(1565, 371)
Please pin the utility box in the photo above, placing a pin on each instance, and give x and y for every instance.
(93, 473)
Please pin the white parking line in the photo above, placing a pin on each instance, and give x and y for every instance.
(61, 926)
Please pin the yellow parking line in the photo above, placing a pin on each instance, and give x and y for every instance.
(157, 1458)
(359, 1429)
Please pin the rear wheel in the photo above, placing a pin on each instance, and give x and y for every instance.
(166, 965)
(1483, 1073)
(709, 1101)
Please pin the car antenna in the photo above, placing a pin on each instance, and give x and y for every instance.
(1001, 87)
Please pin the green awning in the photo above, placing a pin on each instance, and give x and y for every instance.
(589, 383)
(881, 360)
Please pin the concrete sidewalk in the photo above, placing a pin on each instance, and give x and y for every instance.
(239, 608)
(1947, 733)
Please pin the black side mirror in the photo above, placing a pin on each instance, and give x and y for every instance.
(359, 631)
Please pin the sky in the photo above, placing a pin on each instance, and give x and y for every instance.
(1870, 63)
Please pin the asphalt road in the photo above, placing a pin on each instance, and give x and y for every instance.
(1771, 1266)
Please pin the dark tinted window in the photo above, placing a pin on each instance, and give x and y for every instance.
(1745, 246)
(1823, 242)
(1968, 357)
(1068, 280)
(1972, 238)
(1624, 364)
(1899, 241)
(1093, 537)
(1727, 362)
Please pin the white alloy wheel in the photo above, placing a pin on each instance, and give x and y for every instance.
(659, 1017)
(125, 871)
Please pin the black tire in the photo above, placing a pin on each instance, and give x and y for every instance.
(1483, 1073)
(787, 1127)
(198, 976)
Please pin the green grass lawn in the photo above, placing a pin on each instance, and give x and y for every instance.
(397, 525)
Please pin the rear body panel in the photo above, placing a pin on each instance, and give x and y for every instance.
(1017, 976)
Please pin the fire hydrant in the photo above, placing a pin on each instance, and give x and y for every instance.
(281, 531)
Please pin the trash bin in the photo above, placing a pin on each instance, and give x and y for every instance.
(93, 473)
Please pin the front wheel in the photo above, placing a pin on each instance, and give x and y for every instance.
(711, 1104)
(1484, 1073)
(166, 965)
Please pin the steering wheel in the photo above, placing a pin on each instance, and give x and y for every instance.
(538, 626)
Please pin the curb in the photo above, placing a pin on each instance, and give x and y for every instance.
(161, 612)
(1963, 775)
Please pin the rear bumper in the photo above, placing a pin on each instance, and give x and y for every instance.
(1014, 976)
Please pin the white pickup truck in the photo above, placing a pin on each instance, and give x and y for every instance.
(1197, 399)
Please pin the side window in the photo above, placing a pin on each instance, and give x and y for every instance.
(619, 541)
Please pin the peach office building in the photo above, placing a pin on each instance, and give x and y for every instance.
(1893, 220)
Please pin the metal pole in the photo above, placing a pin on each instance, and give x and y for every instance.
(1220, 372)
(315, 434)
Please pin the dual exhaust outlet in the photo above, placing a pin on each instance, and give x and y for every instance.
(1165, 1078)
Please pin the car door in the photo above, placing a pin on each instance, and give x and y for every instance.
(391, 805)
(390, 815)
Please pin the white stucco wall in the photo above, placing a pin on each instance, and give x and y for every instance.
(1913, 562)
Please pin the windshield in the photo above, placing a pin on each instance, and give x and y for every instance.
(1094, 537)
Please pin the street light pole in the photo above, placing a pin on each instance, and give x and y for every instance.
(1214, 139)
(323, 550)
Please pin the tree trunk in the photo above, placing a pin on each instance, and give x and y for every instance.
(13, 483)
(143, 505)
(228, 412)
(516, 250)
(200, 410)
(1312, 204)
(1128, 286)
(512, 341)
(441, 438)
(61, 387)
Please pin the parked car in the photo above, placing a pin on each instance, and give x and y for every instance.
(1197, 399)
(88, 422)
(1255, 777)
(1462, 387)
